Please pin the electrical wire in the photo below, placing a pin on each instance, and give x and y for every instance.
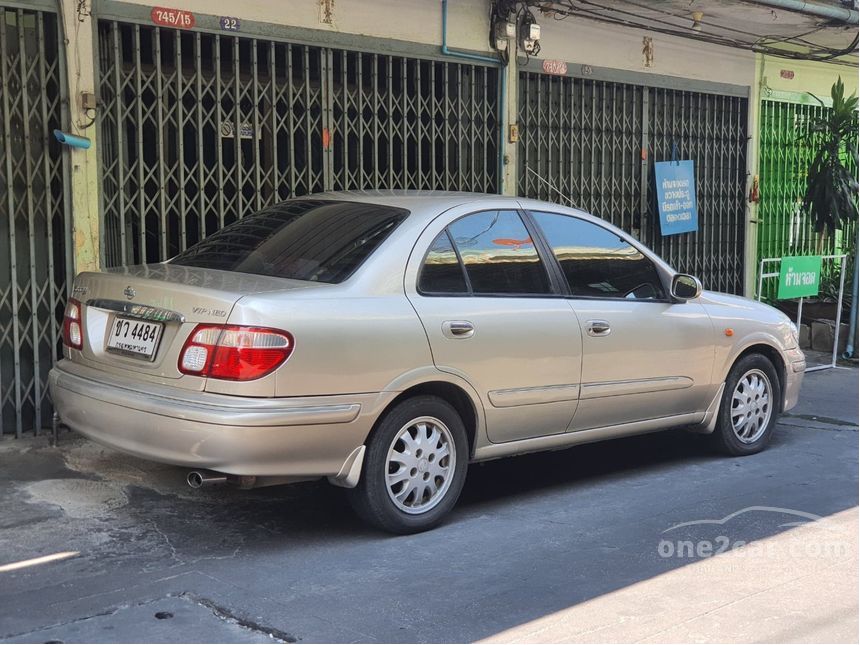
(589, 10)
(709, 23)
(600, 17)
(820, 54)
(666, 13)
(799, 38)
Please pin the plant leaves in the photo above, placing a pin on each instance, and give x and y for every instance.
(831, 191)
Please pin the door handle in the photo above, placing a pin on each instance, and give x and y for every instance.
(458, 329)
(598, 328)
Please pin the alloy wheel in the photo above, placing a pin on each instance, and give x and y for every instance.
(421, 461)
(752, 406)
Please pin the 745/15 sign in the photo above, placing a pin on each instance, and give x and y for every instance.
(799, 276)
(167, 17)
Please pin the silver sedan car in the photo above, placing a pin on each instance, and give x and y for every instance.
(387, 340)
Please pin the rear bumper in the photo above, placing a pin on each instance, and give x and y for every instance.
(795, 362)
(301, 436)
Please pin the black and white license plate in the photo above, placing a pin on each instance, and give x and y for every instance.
(134, 336)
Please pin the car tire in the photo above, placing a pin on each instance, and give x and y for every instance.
(750, 406)
(414, 467)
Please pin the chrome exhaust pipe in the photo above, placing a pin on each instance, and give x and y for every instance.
(200, 478)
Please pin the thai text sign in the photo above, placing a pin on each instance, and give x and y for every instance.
(676, 196)
(556, 67)
(799, 276)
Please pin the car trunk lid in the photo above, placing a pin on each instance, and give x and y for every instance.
(136, 319)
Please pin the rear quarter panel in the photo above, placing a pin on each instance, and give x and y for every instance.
(345, 344)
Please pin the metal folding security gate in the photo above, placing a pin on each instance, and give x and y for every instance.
(783, 229)
(200, 129)
(34, 225)
(594, 140)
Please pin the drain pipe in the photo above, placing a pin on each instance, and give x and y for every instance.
(852, 321)
(842, 14)
(502, 85)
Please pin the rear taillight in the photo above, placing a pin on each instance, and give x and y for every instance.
(234, 352)
(73, 335)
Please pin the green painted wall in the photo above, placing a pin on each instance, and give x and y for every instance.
(784, 114)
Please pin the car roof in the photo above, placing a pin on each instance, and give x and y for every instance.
(394, 197)
(422, 204)
(425, 205)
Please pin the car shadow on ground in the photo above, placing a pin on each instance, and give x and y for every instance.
(303, 509)
(299, 513)
(494, 481)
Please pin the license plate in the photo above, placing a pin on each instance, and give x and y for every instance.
(132, 336)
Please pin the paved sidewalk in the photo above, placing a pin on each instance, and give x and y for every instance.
(795, 587)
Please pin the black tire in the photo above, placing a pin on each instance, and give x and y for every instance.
(371, 499)
(724, 437)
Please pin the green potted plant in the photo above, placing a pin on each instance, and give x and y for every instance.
(831, 184)
(830, 198)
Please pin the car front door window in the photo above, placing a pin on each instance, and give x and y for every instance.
(596, 262)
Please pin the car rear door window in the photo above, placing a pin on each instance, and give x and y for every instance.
(597, 262)
(499, 254)
(315, 240)
(442, 271)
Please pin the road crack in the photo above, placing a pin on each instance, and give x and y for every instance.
(227, 615)
(831, 421)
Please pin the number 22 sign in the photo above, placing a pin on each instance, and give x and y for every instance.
(177, 18)
(228, 23)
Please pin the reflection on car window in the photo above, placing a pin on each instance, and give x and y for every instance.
(321, 241)
(499, 254)
(442, 272)
(598, 263)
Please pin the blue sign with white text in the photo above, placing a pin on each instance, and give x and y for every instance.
(676, 196)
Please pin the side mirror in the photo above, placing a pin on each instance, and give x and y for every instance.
(686, 287)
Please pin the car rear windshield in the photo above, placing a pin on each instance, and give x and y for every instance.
(320, 241)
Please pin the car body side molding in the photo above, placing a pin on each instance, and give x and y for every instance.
(534, 395)
(634, 386)
(567, 439)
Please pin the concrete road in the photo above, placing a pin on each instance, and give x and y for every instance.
(652, 538)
